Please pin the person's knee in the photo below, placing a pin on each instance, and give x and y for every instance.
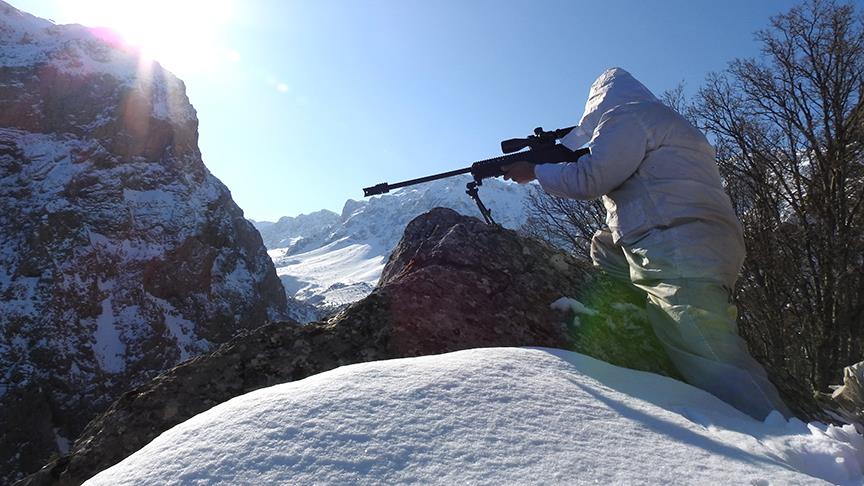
(609, 257)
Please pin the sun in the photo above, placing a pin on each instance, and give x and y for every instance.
(182, 35)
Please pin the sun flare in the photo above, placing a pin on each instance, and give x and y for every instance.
(182, 35)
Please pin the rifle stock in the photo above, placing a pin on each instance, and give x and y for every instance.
(547, 155)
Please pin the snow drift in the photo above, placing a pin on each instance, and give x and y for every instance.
(495, 415)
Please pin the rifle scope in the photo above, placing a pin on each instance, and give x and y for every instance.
(539, 139)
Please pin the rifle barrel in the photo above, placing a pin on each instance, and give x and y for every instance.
(385, 187)
(484, 169)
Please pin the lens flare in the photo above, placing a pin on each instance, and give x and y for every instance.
(183, 36)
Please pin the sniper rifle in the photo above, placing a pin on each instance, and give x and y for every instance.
(542, 149)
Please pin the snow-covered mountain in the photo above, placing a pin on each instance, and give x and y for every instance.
(490, 416)
(298, 234)
(327, 260)
(120, 253)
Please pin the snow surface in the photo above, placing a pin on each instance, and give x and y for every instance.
(490, 416)
(568, 303)
(64, 445)
(108, 348)
(319, 271)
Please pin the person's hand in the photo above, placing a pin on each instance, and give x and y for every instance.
(521, 172)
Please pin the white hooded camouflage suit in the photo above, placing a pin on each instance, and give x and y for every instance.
(672, 232)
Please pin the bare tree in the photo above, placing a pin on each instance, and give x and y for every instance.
(566, 223)
(676, 99)
(788, 129)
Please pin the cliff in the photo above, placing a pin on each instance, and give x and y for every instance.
(121, 255)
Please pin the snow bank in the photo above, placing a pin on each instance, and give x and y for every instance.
(500, 415)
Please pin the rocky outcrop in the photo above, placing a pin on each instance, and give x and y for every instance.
(452, 283)
(120, 254)
(847, 400)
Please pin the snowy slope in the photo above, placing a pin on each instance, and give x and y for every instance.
(489, 416)
(329, 260)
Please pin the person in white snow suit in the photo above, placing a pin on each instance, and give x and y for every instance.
(672, 231)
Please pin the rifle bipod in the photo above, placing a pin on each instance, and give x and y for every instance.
(471, 190)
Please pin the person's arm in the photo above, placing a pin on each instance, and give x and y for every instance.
(617, 148)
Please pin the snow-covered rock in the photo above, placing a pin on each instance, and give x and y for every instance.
(120, 254)
(489, 416)
(328, 260)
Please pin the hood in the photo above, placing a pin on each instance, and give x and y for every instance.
(613, 88)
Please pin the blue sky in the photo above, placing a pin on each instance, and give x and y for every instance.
(313, 100)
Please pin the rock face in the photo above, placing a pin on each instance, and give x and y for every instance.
(120, 254)
(452, 283)
(847, 400)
